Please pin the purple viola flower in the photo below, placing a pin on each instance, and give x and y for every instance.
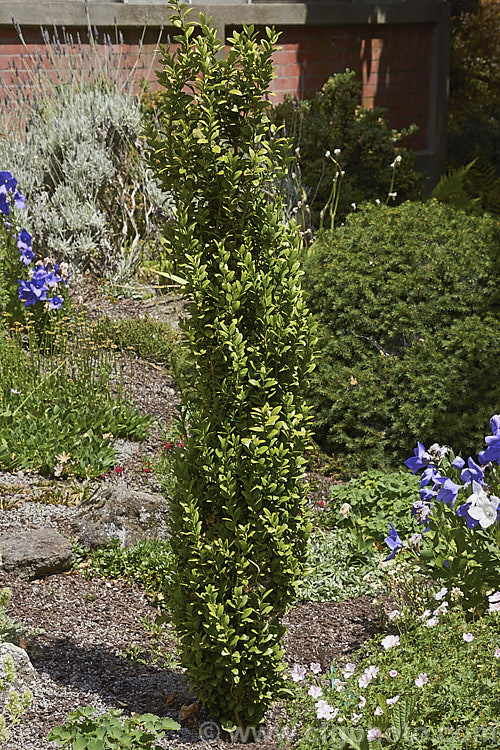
(474, 472)
(449, 491)
(420, 460)
(492, 452)
(393, 542)
(55, 303)
(458, 463)
(461, 512)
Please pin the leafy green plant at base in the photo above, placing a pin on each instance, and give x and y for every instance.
(337, 570)
(57, 414)
(407, 302)
(12, 705)
(83, 730)
(430, 688)
(371, 498)
(238, 512)
(333, 119)
(156, 341)
(147, 563)
(9, 630)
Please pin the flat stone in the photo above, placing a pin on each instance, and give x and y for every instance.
(35, 553)
(119, 512)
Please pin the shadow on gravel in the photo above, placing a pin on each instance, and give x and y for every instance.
(133, 687)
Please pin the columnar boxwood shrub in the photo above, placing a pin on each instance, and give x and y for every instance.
(407, 302)
(239, 527)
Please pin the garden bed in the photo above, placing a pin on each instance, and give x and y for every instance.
(87, 639)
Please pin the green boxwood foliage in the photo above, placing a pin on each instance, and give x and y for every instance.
(239, 526)
(407, 303)
(335, 119)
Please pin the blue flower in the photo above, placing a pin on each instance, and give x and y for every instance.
(461, 512)
(492, 452)
(393, 542)
(474, 472)
(24, 246)
(4, 203)
(420, 460)
(8, 184)
(449, 491)
(51, 279)
(429, 475)
(495, 424)
(55, 303)
(458, 463)
(427, 495)
(30, 292)
(7, 179)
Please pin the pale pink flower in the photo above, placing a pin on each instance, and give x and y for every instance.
(379, 711)
(364, 680)
(431, 622)
(362, 702)
(468, 637)
(368, 676)
(338, 685)
(441, 593)
(393, 673)
(348, 670)
(390, 641)
(394, 614)
(298, 673)
(422, 679)
(356, 718)
(496, 653)
(315, 667)
(325, 711)
(373, 734)
(392, 701)
(494, 607)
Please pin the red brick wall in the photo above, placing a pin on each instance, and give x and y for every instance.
(122, 59)
(393, 62)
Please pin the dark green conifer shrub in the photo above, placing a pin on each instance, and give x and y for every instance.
(334, 119)
(238, 520)
(407, 301)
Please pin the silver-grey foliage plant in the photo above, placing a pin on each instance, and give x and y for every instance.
(78, 155)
